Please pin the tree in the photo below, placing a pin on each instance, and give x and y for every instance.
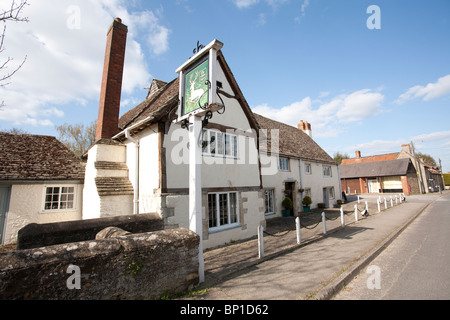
(338, 157)
(78, 137)
(11, 14)
(426, 158)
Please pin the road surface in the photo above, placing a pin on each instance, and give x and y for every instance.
(416, 265)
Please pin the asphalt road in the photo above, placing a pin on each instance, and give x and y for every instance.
(416, 265)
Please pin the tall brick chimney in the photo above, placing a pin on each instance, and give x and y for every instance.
(358, 154)
(109, 107)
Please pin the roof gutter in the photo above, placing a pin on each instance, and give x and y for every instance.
(134, 126)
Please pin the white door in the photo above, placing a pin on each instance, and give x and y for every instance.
(4, 206)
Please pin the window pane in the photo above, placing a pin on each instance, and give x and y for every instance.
(205, 139)
(235, 146)
(233, 211)
(223, 208)
(227, 145)
(220, 143)
(212, 210)
(212, 142)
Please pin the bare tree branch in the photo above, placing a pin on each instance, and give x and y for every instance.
(12, 14)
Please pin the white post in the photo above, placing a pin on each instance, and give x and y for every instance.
(392, 202)
(342, 217)
(378, 204)
(358, 199)
(324, 223)
(367, 207)
(356, 212)
(348, 190)
(260, 241)
(297, 226)
(396, 200)
(401, 199)
(195, 188)
(385, 203)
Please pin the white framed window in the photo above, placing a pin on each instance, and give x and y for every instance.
(327, 171)
(308, 168)
(59, 197)
(283, 164)
(223, 211)
(331, 193)
(269, 202)
(220, 144)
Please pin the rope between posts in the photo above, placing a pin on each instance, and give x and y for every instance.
(277, 235)
(332, 219)
(310, 228)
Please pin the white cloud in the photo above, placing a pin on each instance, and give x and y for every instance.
(431, 91)
(329, 118)
(248, 3)
(245, 3)
(64, 42)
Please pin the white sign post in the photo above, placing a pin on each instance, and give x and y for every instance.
(195, 188)
(197, 84)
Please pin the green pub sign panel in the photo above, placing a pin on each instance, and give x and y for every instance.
(196, 87)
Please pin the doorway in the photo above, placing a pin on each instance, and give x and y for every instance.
(289, 193)
(4, 207)
(325, 197)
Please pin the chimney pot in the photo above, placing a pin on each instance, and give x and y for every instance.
(358, 154)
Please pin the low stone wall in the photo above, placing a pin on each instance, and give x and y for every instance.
(132, 266)
(36, 235)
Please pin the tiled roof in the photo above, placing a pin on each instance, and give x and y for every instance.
(36, 157)
(293, 141)
(398, 167)
(158, 103)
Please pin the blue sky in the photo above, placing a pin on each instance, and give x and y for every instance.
(315, 60)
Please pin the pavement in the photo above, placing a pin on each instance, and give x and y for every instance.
(320, 265)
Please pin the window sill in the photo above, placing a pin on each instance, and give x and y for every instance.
(224, 228)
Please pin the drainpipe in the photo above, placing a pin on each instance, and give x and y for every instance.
(136, 174)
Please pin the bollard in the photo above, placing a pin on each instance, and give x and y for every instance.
(324, 223)
(356, 212)
(396, 200)
(297, 227)
(392, 202)
(358, 199)
(367, 207)
(260, 242)
(342, 217)
(401, 199)
(378, 204)
(385, 203)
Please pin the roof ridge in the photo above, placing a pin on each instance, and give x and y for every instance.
(151, 99)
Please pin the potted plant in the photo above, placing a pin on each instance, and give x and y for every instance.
(306, 203)
(287, 205)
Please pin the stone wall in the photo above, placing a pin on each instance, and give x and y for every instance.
(132, 266)
(36, 235)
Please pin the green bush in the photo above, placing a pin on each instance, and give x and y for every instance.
(287, 203)
(306, 201)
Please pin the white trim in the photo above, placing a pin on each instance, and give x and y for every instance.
(227, 226)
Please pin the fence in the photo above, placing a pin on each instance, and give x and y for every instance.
(357, 212)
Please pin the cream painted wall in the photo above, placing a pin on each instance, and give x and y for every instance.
(315, 181)
(148, 167)
(27, 206)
